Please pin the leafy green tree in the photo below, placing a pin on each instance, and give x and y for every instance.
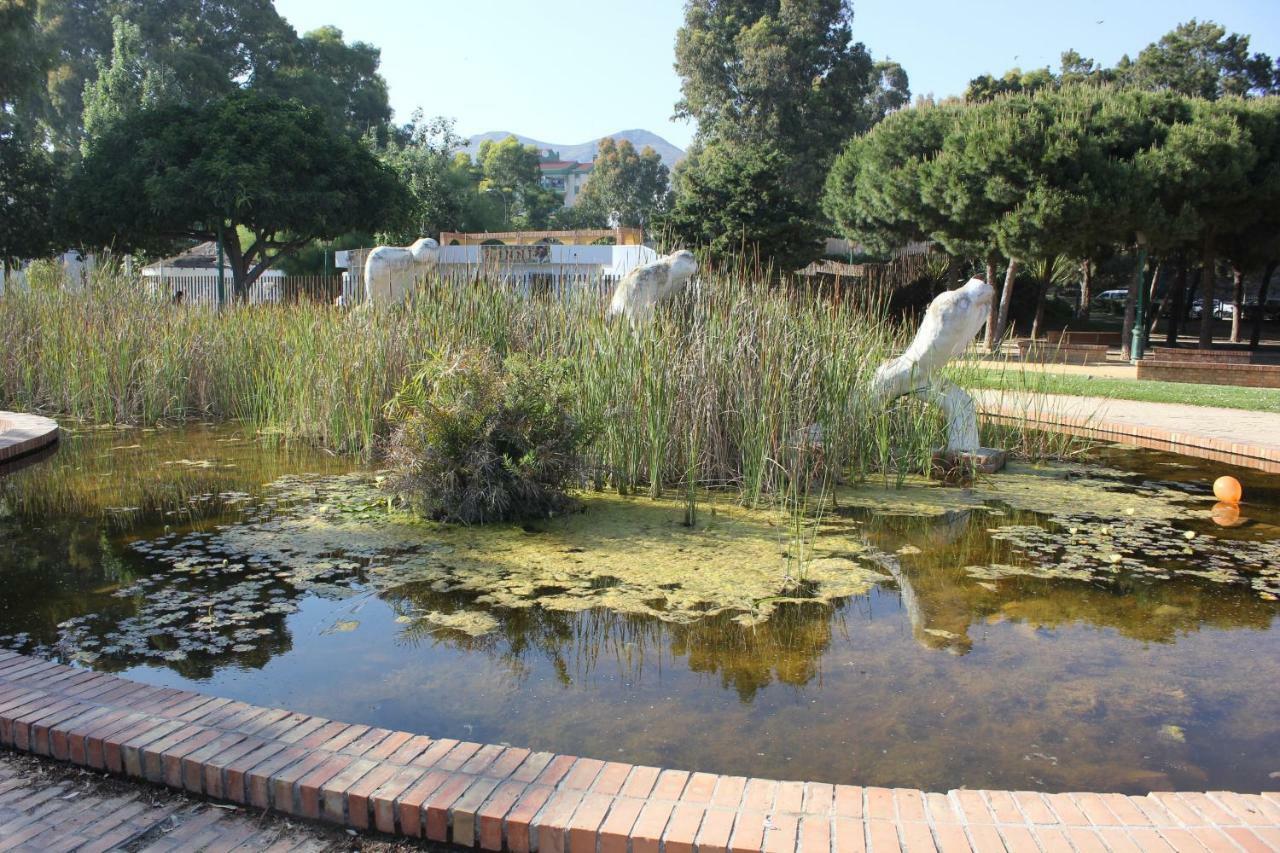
(23, 60)
(29, 180)
(422, 155)
(131, 81)
(511, 173)
(783, 82)
(626, 188)
(785, 74)
(1253, 246)
(1014, 82)
(324, 71)
(204, 50)
(733, 200)
(1198, 180)
(890, 89)
(274, 170)
(1200, 59)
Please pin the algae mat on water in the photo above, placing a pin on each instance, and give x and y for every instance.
(632, 555)
(340, 536)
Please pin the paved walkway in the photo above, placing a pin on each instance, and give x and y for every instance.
(1248, 439)
(48, 807)
(506, 798)
(1108, 370)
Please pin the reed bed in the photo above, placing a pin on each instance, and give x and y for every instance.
(744, 383)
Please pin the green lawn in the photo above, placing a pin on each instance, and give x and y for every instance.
(1227, 396)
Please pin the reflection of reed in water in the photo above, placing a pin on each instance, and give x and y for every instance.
(788, 648)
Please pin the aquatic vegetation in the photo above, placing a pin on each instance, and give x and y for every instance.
(712, 394)
(481, 439)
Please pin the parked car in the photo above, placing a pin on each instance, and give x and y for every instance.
(1220, 309)
(1111, 300)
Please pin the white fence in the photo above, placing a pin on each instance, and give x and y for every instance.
(203, 289)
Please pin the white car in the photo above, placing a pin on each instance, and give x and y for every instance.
(1111, 300)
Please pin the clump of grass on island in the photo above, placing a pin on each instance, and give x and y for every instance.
(729, 388)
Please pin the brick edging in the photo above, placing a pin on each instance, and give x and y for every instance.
(508, 798)
(1245, 455)
(21, 434)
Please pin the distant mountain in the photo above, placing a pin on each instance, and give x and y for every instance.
(585, 151)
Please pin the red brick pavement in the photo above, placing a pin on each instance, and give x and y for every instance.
(495, 798)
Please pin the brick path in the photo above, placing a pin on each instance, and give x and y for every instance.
(1249, 439)
(507, 798)
(49, 808)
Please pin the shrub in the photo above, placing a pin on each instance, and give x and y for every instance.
(479, 439)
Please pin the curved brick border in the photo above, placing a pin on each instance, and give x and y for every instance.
(1050, 413)
(506, 798)
(21, 434)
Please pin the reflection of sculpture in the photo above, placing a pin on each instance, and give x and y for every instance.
(389, 271)
(950, 323)
(640, 291)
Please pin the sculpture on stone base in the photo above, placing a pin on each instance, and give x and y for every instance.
(950, 324)
(645, 287)
(390, 271)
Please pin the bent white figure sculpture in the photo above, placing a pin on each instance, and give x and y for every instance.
(389, 271)
(950, 324)
(645, 287)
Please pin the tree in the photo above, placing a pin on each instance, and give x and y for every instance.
(626, 188)
(890, 90)
(23, 59)
(422, 156)
(274, 169)
(781, 73)
(781, 81)
(128, 83)
(1201, 60)
(341, 79)
(732, 200)
(511, 172)
(1198, 181)
(29, 179)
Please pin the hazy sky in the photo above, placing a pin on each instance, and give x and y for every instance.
(573, 71)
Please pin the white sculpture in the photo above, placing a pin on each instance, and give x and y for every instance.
(641, 290)
(390, 271)
(950, 324)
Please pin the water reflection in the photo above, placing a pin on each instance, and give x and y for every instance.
(115, 555)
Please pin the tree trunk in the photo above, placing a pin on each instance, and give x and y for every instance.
(1136, 283)
(1154, 316)
(1006, 297)
(1038, 321)
(1178, 310)
(1086, 288)
(1237, 301)
(1255, 336)
(1208, 286)
(993, 315)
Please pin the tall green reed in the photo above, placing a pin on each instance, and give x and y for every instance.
(712, 394)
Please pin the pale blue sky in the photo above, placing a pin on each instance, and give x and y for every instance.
(573, 71)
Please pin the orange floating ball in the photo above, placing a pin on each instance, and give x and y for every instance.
(1225, 514)
(1227, 489)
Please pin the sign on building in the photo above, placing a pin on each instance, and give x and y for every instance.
(510, 256)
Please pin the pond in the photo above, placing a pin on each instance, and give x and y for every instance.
(1073, 626)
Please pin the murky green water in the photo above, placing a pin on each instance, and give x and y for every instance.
(1084, 626)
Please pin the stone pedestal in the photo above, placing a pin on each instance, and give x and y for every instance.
(950, 466)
